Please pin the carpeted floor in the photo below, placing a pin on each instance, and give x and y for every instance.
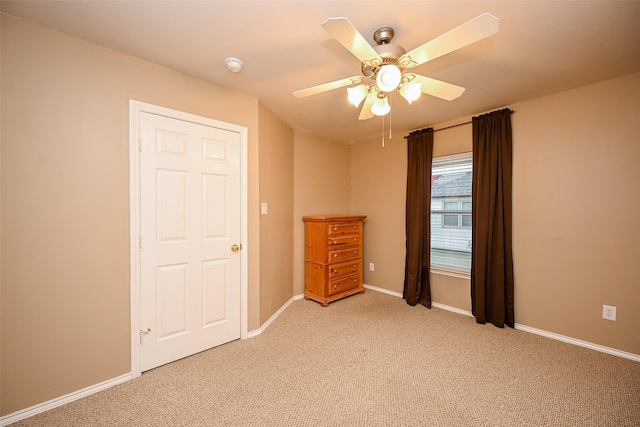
(372, 360)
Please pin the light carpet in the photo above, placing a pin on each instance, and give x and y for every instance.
(372, 360)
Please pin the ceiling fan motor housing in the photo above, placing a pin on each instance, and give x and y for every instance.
(388, 52)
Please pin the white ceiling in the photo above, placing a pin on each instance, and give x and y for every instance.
(542, 47)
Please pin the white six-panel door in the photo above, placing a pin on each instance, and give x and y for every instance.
(190, 221)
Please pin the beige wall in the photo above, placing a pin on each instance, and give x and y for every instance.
(378, 187)
(576, 200)
(65, 205)
(576, 204)
(276, 231)
(322, 186)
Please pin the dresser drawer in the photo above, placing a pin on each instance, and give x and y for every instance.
(353, 239)
(344, 269)
(344, 254)
(344, 284)
(344, 228)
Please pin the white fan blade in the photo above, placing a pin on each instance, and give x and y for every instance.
(478, 28)
(348, 36)
(366, 112)
(327, 87)
(437, 88)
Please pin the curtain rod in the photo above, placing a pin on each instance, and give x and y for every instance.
(447, 127)
(452, 126)
(459, 124)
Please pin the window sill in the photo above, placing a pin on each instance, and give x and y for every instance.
(461, 274)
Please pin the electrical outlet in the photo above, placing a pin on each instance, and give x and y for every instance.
(264, 208)
(609, 312)
(371, 266)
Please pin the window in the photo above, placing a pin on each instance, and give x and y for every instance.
(449, 220)
(451, 214)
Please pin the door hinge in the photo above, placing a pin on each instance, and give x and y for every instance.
(140, 242)
(140, 144)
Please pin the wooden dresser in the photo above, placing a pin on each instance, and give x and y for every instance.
(333, 257)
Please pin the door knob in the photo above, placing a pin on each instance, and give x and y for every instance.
(235, 248)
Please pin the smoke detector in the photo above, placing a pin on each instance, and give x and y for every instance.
(234, 64)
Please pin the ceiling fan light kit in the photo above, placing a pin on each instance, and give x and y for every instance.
(410, 91)
(357, 94)
(388, 77)
(385, 64)
(381, 106)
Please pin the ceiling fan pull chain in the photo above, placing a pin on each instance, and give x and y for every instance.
(382, 131)
(390, 135)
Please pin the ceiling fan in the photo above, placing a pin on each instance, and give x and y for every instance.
(383, 66)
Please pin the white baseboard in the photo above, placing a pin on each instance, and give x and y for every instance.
(434, 304)
(63, 400)
(453, 309)
(382, 290)
(257, 332)
(580, 343)
(552, 335)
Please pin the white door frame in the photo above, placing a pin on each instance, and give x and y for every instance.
(135, 109)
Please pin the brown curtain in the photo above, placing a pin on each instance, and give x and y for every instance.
(491, 260)
(418, 218)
